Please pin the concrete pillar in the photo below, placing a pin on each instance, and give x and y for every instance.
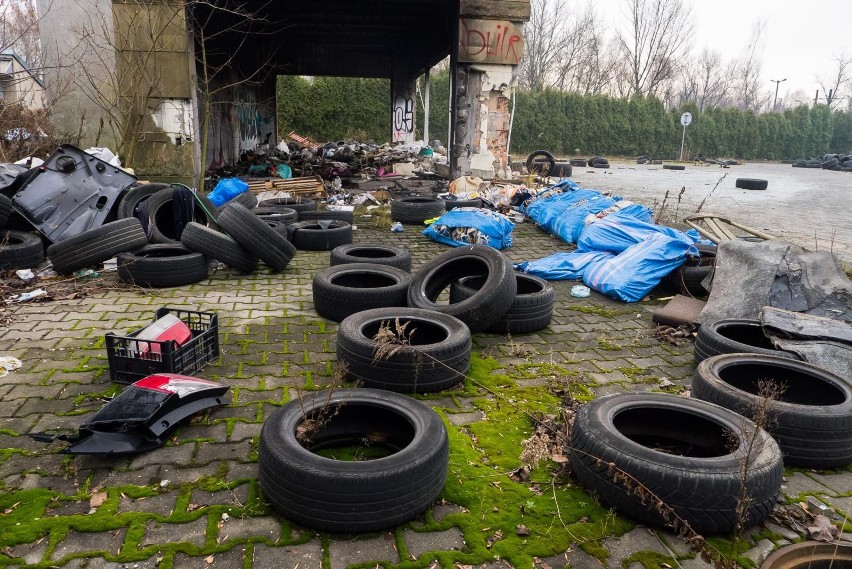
(489, 53)
(403, 110)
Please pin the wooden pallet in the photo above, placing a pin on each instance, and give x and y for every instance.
(719, 229)
(305, 186)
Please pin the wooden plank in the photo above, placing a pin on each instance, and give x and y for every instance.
(307, 185)
(514, 10)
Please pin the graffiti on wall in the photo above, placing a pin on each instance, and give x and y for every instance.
(403, 114)
(490, 41)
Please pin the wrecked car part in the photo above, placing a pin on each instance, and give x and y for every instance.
(734, 336)
(415, 210)
(162, 265)
(398, 257)
(319, 235)
(251, 232)
(406, 350)
(20, 250)
(216, 245)
(97, 245)
(531, 310)
(342, 290)
(302, 478)
(483, 309)
(810, 415)
(143, 416)
(625, 449)
(70, 193)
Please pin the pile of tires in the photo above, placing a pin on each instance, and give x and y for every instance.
(835, 162)
(598, 162)
(541, 163)
(734, 336)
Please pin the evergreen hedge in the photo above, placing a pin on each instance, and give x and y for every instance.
(331, 108)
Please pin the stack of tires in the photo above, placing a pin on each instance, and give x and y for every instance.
(598, 162)
(835, 162)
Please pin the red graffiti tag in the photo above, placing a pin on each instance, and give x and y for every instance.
(499, 44)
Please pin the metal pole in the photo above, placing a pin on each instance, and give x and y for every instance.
(427, 86)
(682, 140)
(777, 84)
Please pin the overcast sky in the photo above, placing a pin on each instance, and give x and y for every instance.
(800, 39)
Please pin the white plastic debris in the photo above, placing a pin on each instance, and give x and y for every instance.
(580, 291)
(27, 296)
(25, 274)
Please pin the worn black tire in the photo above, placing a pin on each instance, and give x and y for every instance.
(20, 250)
(97, 245)
(531, 310)
(161, 214)
(297, 204)
(256, 236)
(353, 497)
(482, 310)
(5, 210)
(416, 209)
(280, 227)
(614, 443)
(371, 253)
(591, 161)
(217, 245)
(281, 214)
(310, 235)
(752, 184)
(829, 164)
(541, 167)
(342, 290)
(129, 203)
(345, 216)
(734, 336)
(688, 278)
(810, 555)
(435, 357)
(453, 204)
(162, 265)
(578, 162)
(246, 199)
(811, 419)
(674, 167)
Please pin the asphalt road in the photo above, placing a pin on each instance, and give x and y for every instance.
(810, 207)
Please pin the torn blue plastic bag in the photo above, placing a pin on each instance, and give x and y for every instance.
(620, 230)
(563, 266)
(226, 190)
(633, 273)
(471, 226)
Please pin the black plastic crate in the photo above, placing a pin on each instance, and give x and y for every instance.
(131, 359)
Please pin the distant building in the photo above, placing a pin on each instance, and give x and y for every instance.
(18, 83)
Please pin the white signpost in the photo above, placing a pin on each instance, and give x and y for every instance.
(685, 120)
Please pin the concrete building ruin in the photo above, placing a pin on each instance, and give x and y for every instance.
(178, 86)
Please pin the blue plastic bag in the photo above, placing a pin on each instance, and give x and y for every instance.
(563, 266)
(630, 275)
(226, 190)
(564, 214)
(620, 230)
(471, 226)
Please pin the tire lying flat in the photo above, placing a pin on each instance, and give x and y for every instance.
(436, 357)
(811, 418)
(752, 184)
(342, 290)
(319, 235)
(531, 310)
(353, 496)
(162, 265)
(416, 209)
(371, 253)
(621, 440)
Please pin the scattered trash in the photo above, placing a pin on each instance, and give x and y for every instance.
(580, 291)
(27, 296)
(82, 273)
(8, 363)
(397, 227)
(25, 274)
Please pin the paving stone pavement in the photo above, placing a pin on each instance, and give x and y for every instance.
(170, 507)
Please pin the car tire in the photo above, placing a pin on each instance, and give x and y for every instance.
(254, 235)
(162, 265)
(531, 310)
(128, 206)
(810, 555)
(281, 214)
(752, 184)
(614, 454)
(247, 199)
(20, 250)
(97, 245)
(161, 214)
(829, 163)
(811, 419)
(5, 210)
(311, 236)
(353, 497)
(453, 204)
(371, 253)
(434, 354)
(541, 167)
(416, 209)
(482, 310)
(689, 277)
(734, 336)
(342, 290)
(674, 167)
(297, 204)
(217, 245)
(578, 162)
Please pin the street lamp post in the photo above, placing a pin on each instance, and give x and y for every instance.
(777, 83)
